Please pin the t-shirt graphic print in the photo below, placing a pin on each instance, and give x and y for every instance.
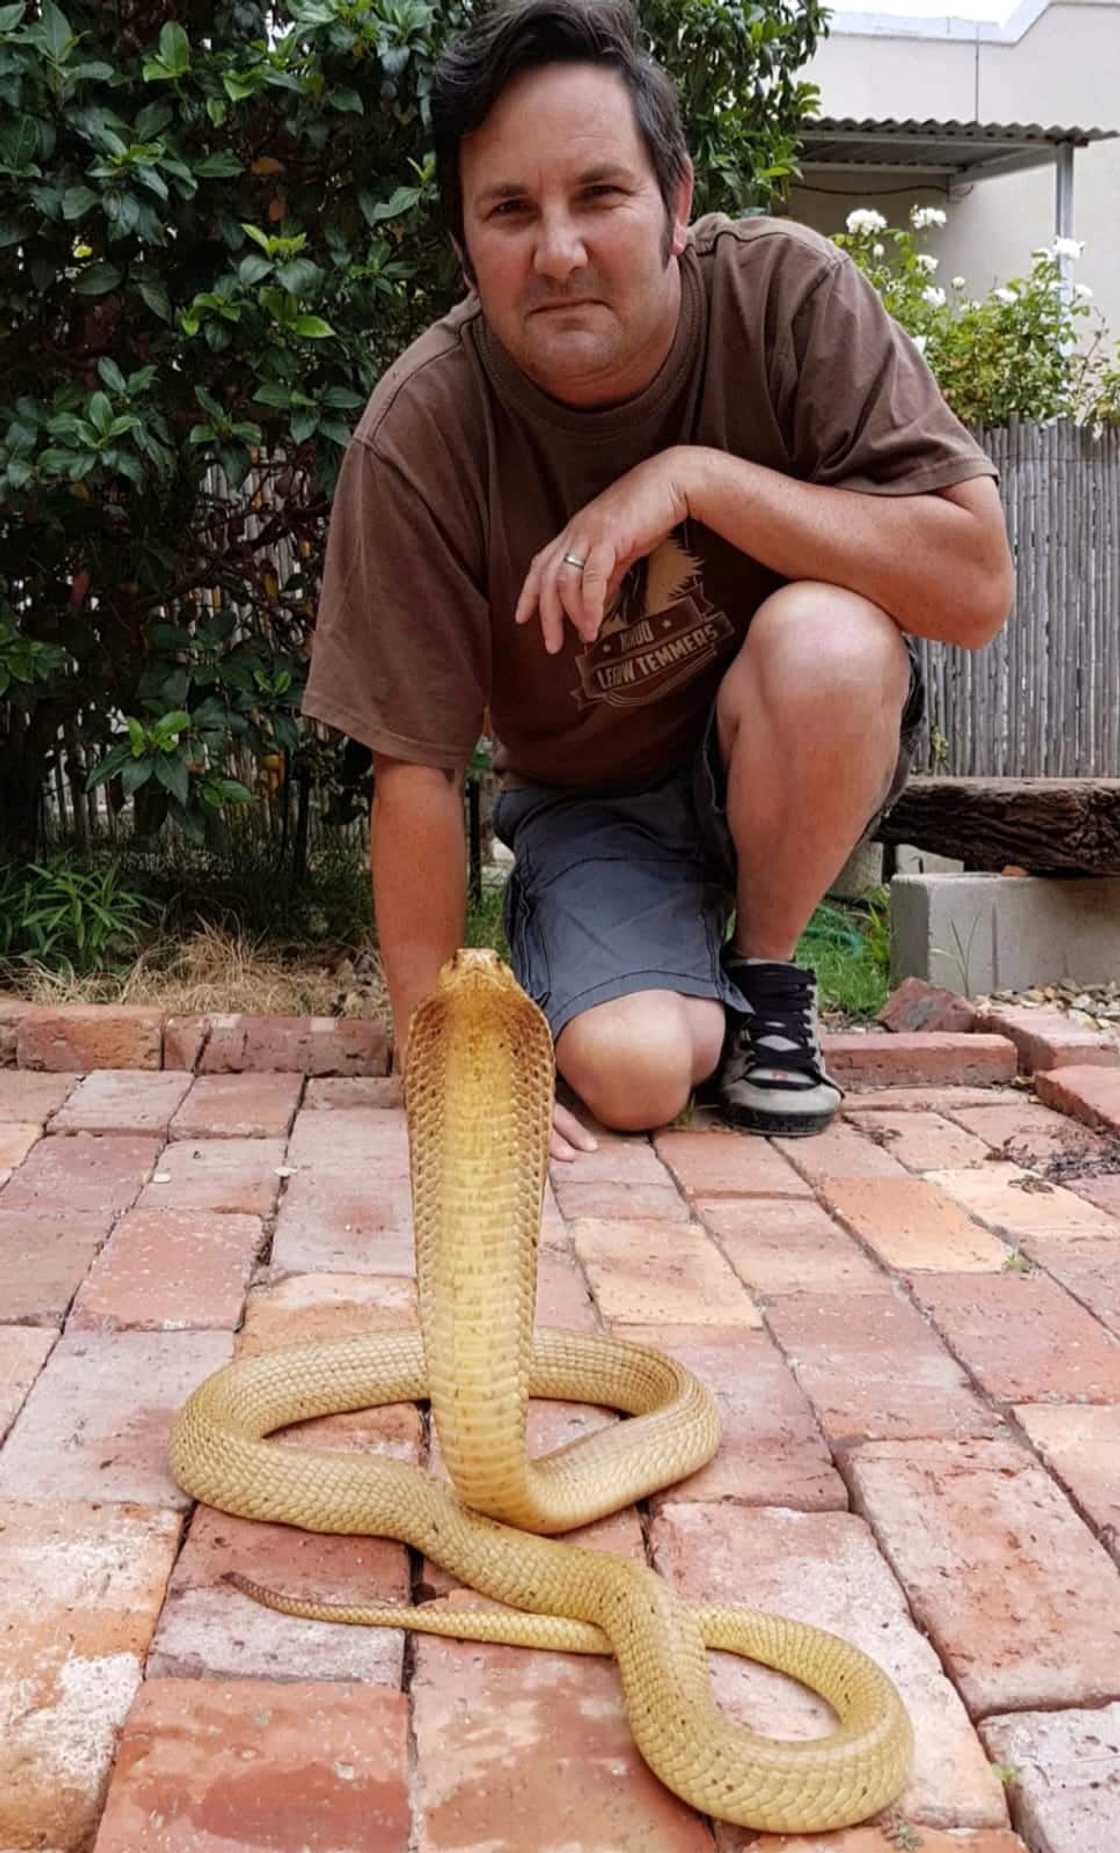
(659, 633)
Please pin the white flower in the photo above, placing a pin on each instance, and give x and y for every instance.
(957, 282)
(863, 219)
(878, 250)
(928, 264)
(1006, 295)
(1067, 247)
(1083, 291)
(934, 297)
(922, 217)
(919, 342)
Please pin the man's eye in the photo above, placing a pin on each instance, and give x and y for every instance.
(505, 207)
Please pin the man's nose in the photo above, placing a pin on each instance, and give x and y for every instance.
(559, 248)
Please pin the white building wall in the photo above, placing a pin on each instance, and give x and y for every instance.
(1063, 69)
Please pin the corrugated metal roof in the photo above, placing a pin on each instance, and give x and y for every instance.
(952, 147)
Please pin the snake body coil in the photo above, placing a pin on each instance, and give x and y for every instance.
(478, 1095)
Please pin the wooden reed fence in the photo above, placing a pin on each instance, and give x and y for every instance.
(1043, 699)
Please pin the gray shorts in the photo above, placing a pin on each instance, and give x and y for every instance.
(614, 894)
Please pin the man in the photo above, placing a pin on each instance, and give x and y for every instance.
(667, 503)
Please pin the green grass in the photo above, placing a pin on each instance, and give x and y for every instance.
(848, 945)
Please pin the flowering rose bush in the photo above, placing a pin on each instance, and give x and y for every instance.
(1034, 348)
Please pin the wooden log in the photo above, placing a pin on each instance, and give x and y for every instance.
(1041, 825)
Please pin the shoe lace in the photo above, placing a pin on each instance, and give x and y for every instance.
(780, 1029)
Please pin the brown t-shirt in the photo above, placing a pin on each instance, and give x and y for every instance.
(461, 469)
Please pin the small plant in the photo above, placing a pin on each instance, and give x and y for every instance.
(69, 919)
(1019, 352)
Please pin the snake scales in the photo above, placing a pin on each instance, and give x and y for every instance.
(478, 1095)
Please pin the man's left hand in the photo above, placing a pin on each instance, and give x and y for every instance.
(620, 526)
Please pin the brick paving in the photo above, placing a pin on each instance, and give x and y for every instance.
(912, 1329)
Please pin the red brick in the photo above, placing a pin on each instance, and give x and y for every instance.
(931, 1058)
(296, 1045)
(1028, 1134)
(563, 1297)
(16, 1139)
(23, 1352)
(728, 1164)
(609, 1201)
(873, 1840)
(44, 1258)
(354, 1139)
(642, 1273)
(824, 1568)
(915, 1005)
(236, 1106)
(1016, 1594)
(307, 1306)
(927, 1099)
(1081, 1447)
(1088, 1094)
(339, 1221)
(1048, 1039)
(27, 1096)
(1104, 1191)
(842, 1150)
(80, 1588)
(627, 1159)
(68, 1037)
(184, 1039)
(11, 1011)
(208, 1630)
(242, 1764)
(1013, 1202)
(122, 1100)
(787, 1246)
(355, 1091)
(1022, 1338)
(96, 1422)
(771, 1451)
(532, 1751)
(87, 1172)
(230, 1176)
(920, 1141)
(169, 1271)
(1066, 1789)
(871, 1367)
(911, 1224)
(1088, 1270)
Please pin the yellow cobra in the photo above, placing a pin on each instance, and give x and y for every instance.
(478, 1093)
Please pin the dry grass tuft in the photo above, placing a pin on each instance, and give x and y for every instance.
(217, 970)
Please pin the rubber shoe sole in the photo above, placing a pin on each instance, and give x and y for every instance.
(779, 1125)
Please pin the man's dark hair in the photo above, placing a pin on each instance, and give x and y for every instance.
(521, 35)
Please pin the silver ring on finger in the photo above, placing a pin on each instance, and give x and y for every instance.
(573, 559)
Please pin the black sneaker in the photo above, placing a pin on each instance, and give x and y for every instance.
(771, 1077)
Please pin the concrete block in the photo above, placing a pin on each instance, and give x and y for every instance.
(909, 860)
(861, 874)
(981, 933)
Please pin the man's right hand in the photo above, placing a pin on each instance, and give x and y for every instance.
(569, 1137)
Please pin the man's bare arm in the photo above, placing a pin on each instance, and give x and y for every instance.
(939, 563)
(418, 862)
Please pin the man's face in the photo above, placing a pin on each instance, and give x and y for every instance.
(567, 234)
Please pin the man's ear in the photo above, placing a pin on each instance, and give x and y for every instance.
(465, 264)
(682, 211)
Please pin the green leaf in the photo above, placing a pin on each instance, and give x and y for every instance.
(155, 296)
(54, 31)
(258, 237)
(175, 49)
(134, 773)
(347, 100)
(219, 165)
(216, 110)
(153, 119)
(11, 231)
(252, 268)
(301, 276)
(312, 326)
(111, 374)
(136, 735)
(268, 394)
(174, 777)
(342, 399)
(303, 424)
(101, 412)
(174, 723)
(98, 280)
(10, 16)
(77, 201)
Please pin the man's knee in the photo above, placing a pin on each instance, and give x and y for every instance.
(630, 1060)
(810, 642)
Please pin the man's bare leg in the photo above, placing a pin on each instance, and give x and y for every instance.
(808, 716)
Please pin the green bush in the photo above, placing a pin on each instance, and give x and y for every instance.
(1020, 352)
(69, 918)
(217, 226)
